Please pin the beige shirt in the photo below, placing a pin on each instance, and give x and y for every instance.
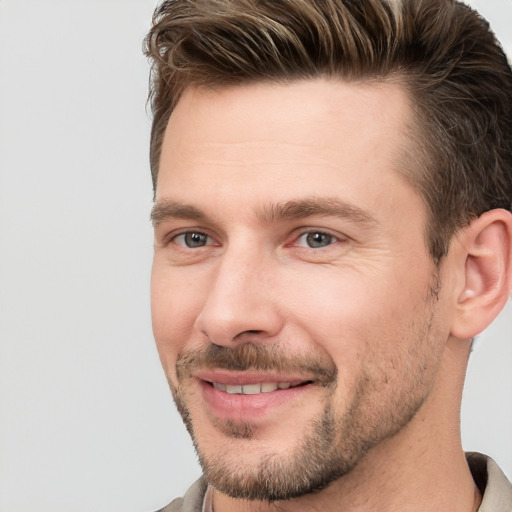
(493, 484)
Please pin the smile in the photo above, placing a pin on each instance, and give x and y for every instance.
(250, 396)
(253, 389)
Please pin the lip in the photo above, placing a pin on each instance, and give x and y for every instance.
(248, 407)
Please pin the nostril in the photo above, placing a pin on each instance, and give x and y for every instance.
(248, 334)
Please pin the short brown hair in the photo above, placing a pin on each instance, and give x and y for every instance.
(441, 51)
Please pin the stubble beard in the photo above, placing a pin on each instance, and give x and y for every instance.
(323, 455)
(330, 446)
(275, 476)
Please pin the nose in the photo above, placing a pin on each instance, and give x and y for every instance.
(241, 305)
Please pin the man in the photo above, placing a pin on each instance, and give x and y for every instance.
(333, 184)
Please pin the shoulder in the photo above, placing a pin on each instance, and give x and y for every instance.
(192, 501)
(492, 482)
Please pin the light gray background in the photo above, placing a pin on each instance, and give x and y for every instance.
(86, 419)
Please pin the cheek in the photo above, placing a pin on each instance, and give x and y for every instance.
(356, 318)
(339, 318)
(342, 307)
(174, 308)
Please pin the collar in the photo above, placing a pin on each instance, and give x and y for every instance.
(494, 486)
(208, 500)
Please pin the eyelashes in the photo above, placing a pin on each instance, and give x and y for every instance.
(310, 239)
(315, 240)
(192, 239)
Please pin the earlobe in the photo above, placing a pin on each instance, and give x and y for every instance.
(487, 260)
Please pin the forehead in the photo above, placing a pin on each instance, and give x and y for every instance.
(281, 139)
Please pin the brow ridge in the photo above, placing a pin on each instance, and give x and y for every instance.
(289, 210)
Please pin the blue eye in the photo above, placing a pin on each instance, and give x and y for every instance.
(192, 239)
(315, 240)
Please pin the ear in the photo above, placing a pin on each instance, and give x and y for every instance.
(487, 269)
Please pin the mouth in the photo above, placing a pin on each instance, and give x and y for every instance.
(250, 396)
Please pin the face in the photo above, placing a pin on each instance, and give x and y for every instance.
(295, 307)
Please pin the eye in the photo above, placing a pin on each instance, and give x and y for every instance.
(316, 240)
(192, 239)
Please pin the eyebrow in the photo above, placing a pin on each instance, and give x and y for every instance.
(290, 210)
(165, 210)
(309, 207)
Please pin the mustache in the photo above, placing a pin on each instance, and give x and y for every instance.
(252, 356)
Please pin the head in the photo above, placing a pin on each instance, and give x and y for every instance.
(306, 156)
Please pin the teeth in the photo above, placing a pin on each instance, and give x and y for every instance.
(234, 389)
(252, 389)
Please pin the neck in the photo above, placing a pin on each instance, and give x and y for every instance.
(422, 468)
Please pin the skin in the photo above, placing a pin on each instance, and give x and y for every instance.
(362, 307)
